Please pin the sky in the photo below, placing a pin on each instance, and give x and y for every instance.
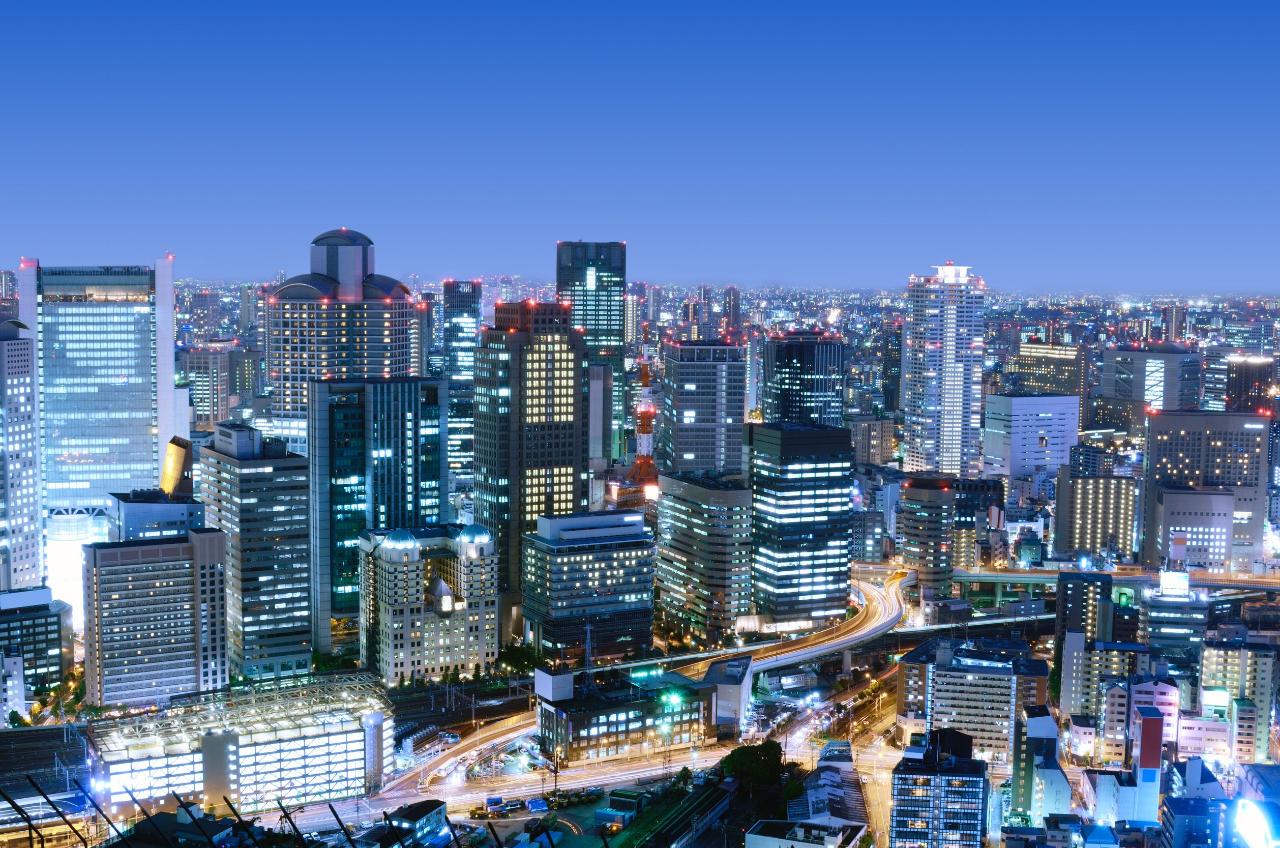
(1112, 147)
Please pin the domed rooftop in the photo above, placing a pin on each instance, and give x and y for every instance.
(380, 286)
(401, 540)
(342, 237)
(307, 287)
(474, 533)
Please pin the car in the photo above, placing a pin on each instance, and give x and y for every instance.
(479, 813)
(513, 805)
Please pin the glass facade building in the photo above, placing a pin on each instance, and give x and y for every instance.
(804, 376)
(592, 276)
(378, 460)
(461, 303)
(704, 386)
(801, 478)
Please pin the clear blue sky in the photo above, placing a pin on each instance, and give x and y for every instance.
(1107, 146)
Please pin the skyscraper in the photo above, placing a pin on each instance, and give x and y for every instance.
(942, 352)
(703, 407)
(207, 370)
(1051, 369)
(926, 524)
(1159, 377)
(461, 303)
(592, 276)
(1206, 450)
(801, 478)
(341, 321)
(104, 343)
(1249, 379)
(1027, 437)
(704, 554)
(531, 428)
(732, 309)
(589, 577)
(255, 492)
(21, 565)
(378, 460)
(804, 375)
(156, 619)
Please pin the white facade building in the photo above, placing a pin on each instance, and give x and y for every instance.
(1025, 435)
(21, 564)
(942, 356)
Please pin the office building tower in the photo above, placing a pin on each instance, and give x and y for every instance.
(599, 414)
(429, 603)
(207, 371)
(890, 354)
(703, 407)
(37, 628)
(1095, 515)
(1250, 381)
(801, 478)
(255, 491)
(939, 797)
(1092, 461)
(1192, 528)
(1173, 322)
(942, 352)
(588, 586)
(378, 459)
(1156, 377)
(592, 276)
(874, 438)
(21, 560)
(704, 555)
(634, 316)
(8, 285)
(341, 321)
(732, 309)
(1206, 451)
(926, 518)
(978, 688)
(1173, 621)
(804, 376)
(1054, 369)
(531, 429)
(105, 376)
(157, 616)
(461, 306)
(1029, 436)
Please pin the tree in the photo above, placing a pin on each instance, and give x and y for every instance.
(16, 719)
(757, 767)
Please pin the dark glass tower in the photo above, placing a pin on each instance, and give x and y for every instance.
(593, 277)
(461, 302)
(801, 478)
(804, 378)
(377, 461)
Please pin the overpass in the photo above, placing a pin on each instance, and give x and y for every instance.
(1136, 579)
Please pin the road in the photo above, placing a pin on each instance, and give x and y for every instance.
(882, 611)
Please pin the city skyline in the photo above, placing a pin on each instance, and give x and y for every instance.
(837, 149)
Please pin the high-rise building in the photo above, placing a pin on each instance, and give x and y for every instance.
(341, 321)
(939, 797)
(592, 276)
(1051, 369)
(1083, 606)
(1239, 668)
(732, 309)
(942, 354)
(378, 459)
(207, 370)
(588, 586)
(1173, 621)
(891, 365)
(1095, 514)
(1158, 377)
(1207, 450)
(1029, 436)
(704, 554)
(37, 628)
(926, 520)
(703, 407)
(531, 429)
(1249, 381)
(801, 478)
(874, 438)
(461, 304)
(804, 376)
(429, 603)
(156, 622)
(21, 561)
(152, 514)
(104, 343)
(255, 491)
